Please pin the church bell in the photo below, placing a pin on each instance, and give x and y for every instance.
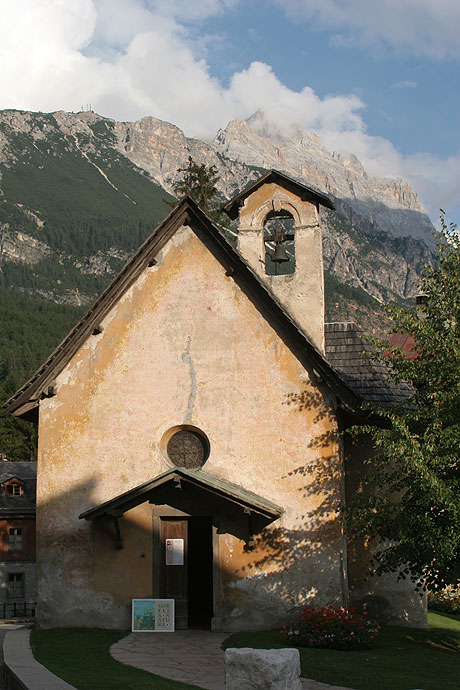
(280, 254)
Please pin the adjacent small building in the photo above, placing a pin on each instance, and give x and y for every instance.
(17, 537)
(190, 431)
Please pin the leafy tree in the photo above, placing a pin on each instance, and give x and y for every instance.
(411, 504)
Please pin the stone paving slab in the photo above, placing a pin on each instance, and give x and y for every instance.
(190, 656)
(20, 663)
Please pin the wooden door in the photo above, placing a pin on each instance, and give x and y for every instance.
(174, 560)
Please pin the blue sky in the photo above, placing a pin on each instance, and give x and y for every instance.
(379, 79)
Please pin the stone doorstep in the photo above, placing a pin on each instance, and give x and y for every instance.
(23, 669)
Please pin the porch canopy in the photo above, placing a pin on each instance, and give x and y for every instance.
(181, 479)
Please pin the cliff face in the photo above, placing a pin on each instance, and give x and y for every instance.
(69, 181)
(389, 204)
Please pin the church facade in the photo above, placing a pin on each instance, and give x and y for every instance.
(190, 441)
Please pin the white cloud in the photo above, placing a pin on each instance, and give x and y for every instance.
(419, 27)
(130, 58)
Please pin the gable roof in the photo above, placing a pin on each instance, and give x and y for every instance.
(337, 372)
(222, 489)
(187, 212)
(302, 190)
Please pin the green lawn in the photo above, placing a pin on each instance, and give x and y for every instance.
(81, 657)
(402, 658)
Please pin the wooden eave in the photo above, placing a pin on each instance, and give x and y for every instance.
(306, 193)
(247, 500)
(187, 212)
(13, 479)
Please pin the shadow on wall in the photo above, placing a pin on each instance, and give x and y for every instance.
(84, 579)
(387, 599)
(303, 566)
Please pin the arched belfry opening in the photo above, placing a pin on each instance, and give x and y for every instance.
(279, 235)
(279, 243)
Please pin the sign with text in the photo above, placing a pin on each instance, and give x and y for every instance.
(152, 615)
(174, 552)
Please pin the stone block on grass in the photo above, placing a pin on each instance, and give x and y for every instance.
(262, 669)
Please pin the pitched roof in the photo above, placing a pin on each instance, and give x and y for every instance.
(406, 343)
(302, 190)
(348, 353)
(187, 212)
(24, 504)
(222, 489)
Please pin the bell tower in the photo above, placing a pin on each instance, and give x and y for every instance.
(280, 237)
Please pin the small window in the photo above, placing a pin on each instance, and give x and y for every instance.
(15, 539)
(187, 449)
(13, 489)
(16, 584)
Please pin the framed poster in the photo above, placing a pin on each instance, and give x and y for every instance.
(152, 615)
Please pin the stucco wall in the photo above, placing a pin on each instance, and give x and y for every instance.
(301, 293)
(185, 346)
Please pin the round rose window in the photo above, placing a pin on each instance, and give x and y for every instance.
(187, 449)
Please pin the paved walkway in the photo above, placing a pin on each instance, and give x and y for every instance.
(190, 656)
(22, 667)
(4, 628)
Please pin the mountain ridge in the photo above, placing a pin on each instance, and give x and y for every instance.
(379, 248)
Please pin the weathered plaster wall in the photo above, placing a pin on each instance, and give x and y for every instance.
(301, 293)
(185, 345)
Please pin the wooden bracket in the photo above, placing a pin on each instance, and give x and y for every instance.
(118, 537)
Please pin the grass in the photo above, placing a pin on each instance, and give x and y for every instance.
(402, 658)
(82, 658)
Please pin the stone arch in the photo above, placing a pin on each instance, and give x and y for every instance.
(275, 203)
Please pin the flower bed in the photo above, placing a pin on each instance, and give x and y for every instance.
(332, 628)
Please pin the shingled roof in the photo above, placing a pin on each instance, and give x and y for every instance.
(350, 355)
(24, 504)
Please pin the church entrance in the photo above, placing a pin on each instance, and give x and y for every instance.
(186, 570)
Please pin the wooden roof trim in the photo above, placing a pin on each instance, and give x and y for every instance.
(139, 494)
(14, 478)
(231, 208)
(26, 398)
(187, 212)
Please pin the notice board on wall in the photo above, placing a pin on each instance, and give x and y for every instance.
(174, 552)
(152, 615)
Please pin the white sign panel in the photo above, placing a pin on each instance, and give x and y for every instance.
(152, 615)
(174, 552)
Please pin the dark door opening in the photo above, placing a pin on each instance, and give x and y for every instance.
(199, 572)
(186, 573)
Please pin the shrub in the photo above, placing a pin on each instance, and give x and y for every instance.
(332, 628)
(446, 600)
